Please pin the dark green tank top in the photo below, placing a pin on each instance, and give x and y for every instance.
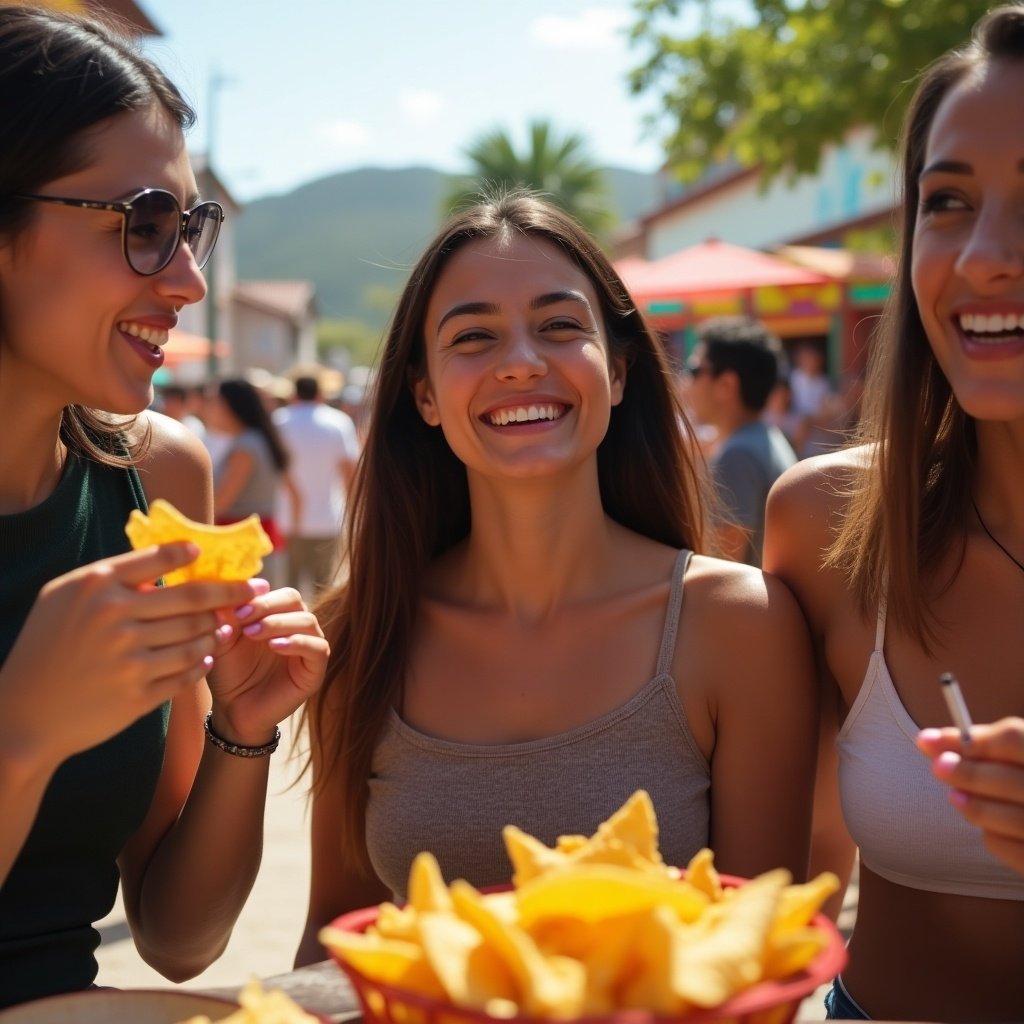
(66, 876)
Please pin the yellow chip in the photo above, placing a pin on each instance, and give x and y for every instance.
(634, 825)
(388, 961)
(570, 844)
(701, 874)
(530, 857)
(606, 850)
(629, 838)
(395, 923)
(792, 951)
(593, 892)
(548, 986)
(613, 962)
(471, 972)
(711, 965)
(427, 890)
(233, 552)
(650, 986)
(799, 903)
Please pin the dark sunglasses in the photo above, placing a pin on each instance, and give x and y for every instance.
(154, 225)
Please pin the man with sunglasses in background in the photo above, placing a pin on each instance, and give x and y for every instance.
(733, 369)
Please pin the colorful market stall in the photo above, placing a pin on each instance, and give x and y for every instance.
(803, 296)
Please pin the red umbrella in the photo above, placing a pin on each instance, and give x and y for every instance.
(708, 268)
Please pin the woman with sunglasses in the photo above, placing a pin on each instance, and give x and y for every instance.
(907, 554)
(526, 635)
(115, 760)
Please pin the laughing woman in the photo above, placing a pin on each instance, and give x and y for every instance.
(104, 770)
(527, 635)
(907, 554)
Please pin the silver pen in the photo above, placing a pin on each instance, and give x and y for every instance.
(955, 702)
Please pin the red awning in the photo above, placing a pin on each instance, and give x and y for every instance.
(183, 347)
(708, 268)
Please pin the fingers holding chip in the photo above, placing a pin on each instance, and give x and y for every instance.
(231, 552)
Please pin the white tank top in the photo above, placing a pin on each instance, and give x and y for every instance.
(896, 811)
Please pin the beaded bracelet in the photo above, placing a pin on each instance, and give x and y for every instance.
(233, 748)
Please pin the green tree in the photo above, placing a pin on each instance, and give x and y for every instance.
(558, 166)
(775, 88)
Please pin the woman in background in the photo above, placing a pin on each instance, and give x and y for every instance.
(253, 466)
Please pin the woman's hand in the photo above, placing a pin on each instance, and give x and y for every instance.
(270, 658)
(986, 779)
(102, 646)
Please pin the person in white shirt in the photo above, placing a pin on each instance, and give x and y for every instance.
(324, 448)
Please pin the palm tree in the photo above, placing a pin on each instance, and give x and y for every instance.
(559, 168)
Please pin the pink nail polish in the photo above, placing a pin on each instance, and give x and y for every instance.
(947, 762)
(244, 611)
(929, 735)
(252, 629)
(225, 632)
(958, 799)
(208, 662)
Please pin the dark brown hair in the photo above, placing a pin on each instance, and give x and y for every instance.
(410, 500)
(246, 405)
(60, 77)
(910, 506)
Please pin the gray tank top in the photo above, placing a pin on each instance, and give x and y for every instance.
(454, 798)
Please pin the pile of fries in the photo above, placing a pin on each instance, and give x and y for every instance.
(591, 927)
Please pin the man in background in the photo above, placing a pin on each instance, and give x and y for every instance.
(180, 403)
(733, 368)
(324, 448)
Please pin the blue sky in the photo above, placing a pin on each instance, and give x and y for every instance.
(311, 87)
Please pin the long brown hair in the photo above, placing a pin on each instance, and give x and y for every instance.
(909, 507)
(410, 499)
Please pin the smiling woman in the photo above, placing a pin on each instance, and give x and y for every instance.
(906, 552)
(511, 645)
(495, 365)
(105, 678)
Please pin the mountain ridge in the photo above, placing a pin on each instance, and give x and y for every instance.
(356, 234)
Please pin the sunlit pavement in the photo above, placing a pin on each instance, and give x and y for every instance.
(268, 931)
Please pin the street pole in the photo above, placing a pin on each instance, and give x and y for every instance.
(217, 80)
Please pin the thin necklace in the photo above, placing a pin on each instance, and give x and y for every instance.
(993, 539)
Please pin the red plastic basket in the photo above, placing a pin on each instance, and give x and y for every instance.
(768, 1002)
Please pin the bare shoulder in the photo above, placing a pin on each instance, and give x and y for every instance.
(731, 596)
(805, 509)
(818, 485)
(175, 465)
(741, 630)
